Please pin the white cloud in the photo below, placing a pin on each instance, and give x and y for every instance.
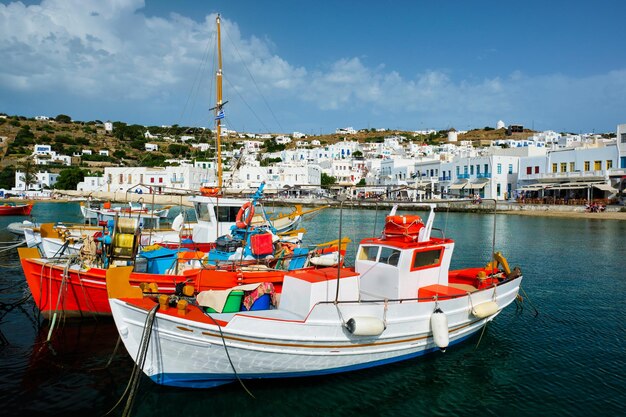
(95, 50)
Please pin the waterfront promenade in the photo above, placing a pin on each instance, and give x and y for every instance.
(614, 212)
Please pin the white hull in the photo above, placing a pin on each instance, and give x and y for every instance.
(276, 343)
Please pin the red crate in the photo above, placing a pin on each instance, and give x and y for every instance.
(262, 244)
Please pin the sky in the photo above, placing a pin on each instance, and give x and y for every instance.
(313, 67)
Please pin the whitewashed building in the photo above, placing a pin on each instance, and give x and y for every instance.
(41, 180)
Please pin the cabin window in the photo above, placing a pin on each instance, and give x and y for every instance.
(202, 212)
(426, 258)
(226, 214)
(368, 253)
(389, 256)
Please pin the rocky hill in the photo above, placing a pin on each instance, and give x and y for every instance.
(126, 144)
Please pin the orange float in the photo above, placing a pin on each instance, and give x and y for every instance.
(240, 222)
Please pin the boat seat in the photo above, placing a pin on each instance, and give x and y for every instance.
(464, 287)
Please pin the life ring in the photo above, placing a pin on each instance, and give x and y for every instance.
(244, 223)
(209, 191)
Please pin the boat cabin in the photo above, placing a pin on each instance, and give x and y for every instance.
(405, 259)
(397, 270)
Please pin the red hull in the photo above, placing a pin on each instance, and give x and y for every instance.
(19, 210)
(84, 292)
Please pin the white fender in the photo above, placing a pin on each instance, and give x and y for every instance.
(365, 326)
(439, 326)
(328, 259)
(485, 309)
(178, 222)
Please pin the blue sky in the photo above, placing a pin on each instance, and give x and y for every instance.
(315, 66)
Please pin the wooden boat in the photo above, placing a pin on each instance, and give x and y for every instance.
(75, 285)
(10, 209)
(399, 301)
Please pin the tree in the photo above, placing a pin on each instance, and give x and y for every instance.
(29, 174)
(7, 177)
(63, 118)
(361, 183)
(69, 178)
(327, 180)
(357, 154)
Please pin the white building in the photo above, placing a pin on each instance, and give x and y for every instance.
(91, 184)
(345, 131)
(282, 140)
(42, 150)
(44, 155)
(108, 127)
(156, 179)
(151, 147)
(41, 180)
(202, 147)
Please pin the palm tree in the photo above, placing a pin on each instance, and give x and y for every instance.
(29, 173)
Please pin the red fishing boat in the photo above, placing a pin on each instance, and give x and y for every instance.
(10, 209)
(70, 288)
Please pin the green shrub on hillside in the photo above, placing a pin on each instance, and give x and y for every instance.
(65, 139)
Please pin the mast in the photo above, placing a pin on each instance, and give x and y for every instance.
(218, 108)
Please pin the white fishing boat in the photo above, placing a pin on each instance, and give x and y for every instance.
(400, 301)
(216, 215)
(104, 212)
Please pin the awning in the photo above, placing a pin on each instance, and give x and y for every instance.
(477, 185)
(605, 187)
(458, 186)
(572, 185)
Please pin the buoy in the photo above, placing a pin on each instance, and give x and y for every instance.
(365, 326)
(439, 326)
(485, 309)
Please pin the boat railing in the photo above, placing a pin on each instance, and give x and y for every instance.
(443, 235)
(421, 299)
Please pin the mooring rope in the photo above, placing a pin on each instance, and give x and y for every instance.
(133, 382)
(530, 302)
(232, 365)
(12, 246)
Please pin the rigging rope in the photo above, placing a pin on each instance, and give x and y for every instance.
(255, 83)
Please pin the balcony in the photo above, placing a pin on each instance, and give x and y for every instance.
(175, 180)
(463, 176)
(485, 175)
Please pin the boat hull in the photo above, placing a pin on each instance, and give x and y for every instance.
(195, 353)
(17, 210)
(83, 291)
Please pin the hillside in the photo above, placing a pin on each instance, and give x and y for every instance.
(126, 144)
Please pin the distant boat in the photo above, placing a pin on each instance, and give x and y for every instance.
(17, 228)
(11, 209)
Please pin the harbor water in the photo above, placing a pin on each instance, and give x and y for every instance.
(567, 360)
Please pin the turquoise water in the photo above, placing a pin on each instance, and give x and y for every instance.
(567, 361)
